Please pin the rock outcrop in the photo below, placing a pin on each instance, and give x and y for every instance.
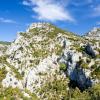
(89, 51)
(94, 34)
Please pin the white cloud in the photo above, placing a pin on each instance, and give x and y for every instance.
(50, 10)
(96, 11)
(3, 20)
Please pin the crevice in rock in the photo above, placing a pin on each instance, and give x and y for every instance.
(89, 51)
(78, 79)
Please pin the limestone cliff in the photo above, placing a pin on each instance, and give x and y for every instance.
(45, 53)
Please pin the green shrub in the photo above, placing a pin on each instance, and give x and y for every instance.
(33, 95)
(63, 66)
(3, 73)
(84, 65)
(17, 74)
(55, 89)
(95, 92)
(96, 72)
(3, 59)
(76, 94)
(58, 49)
(11, 94)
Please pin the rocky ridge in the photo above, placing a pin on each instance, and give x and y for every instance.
(94, 34)
(45, 53)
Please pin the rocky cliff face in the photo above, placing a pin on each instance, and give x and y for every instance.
(45, 53)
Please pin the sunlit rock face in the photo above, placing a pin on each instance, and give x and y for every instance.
(94, 34)
(44, 53)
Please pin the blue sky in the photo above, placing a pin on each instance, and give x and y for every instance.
(78, 16)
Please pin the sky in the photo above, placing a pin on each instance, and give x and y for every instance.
(78, 16)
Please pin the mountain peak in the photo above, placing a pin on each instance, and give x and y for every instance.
(39, 25)
(94, 33)
(47, 60)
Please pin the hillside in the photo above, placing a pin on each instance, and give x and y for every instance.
(48, 63)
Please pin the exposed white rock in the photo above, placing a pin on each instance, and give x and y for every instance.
(94, 34)
(26, 94)
(87, 73)
(33, 76)
(91, 63)
(10, 80)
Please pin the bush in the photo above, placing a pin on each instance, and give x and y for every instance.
(63, 67)
(95, 92)
(58, 49)
(15, 94)
(3, 73)
(11, 94)
(55, 90)
(96, 72)
(84, 65)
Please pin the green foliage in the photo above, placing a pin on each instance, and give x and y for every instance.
(96, 72)
(24, 34)
(21, 48)
(58, 90)
(83, 64)
(35, 62)
(55, 89)
(34, 31)
(33, 95)
(3, 73)
(14, 94)
(78, 48)
(98, 56)
(39, 53)
(42, 74)
(52, 34)
(76, 94)
(95, 92)
(3, 59)
(63, 66)
(58, 49)
(17, 74)
(73, 38)
(5, 43)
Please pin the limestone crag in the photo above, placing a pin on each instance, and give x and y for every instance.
(94, 34)
(45, 52)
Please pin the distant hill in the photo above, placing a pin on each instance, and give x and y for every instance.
(5, 42)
